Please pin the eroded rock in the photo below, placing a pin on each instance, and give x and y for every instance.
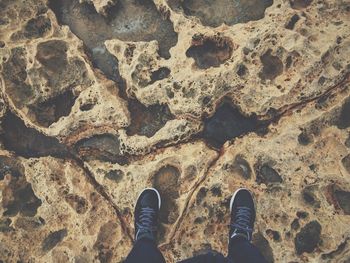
(183, 77)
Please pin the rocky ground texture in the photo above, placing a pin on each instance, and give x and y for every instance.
(100, 99)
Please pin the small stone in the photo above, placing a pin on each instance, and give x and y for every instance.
(308, 238)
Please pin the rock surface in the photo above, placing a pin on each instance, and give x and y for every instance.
(195, 98)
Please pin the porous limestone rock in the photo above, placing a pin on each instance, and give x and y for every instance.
(100, 99)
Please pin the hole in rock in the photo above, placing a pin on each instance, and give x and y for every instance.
(228, 123)
(209, 52)
(52, 54)
(17, 196)
(344, 117)
(136, 20)
(159, 74)
(241, 70)
(53, 239)
(15, 75)
(216, 12)
(28, 142)
(295, 225)
(272, 66)
(299, 4)
(28, 223)
(57, 69)
(343, 199)
(167, 181)
(58, 74)
(302, 214)
(308, 238)
(10, 166)
(104, 147)
(304, 138)
(267, 175)
(346, 163)
(242, 167)
(53, 109)
(5, 225)
(275, 235)
(78, 203)
(292, 21)
(115, 175)
(20, 198)
(37, 27)
(147, 120)
(310, 197)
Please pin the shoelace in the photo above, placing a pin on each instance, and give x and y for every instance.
(242, 221)
(146, 220)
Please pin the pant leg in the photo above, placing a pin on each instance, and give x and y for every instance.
(206, 258)
(242, 251)
(145, 251)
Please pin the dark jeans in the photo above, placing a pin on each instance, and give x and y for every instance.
(240, 251)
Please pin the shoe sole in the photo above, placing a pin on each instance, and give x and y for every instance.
(234, 195)
(155, 190)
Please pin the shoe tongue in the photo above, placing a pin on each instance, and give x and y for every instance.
(145, 234)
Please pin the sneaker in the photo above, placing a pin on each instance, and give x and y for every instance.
(242, 214)
(146, 214)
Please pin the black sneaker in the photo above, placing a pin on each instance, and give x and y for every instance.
(146, 214)
(242, 214)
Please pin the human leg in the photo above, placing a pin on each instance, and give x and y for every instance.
(241, 228)
(145, 251)
(242, 250)
(206, 258)
(146, 213)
